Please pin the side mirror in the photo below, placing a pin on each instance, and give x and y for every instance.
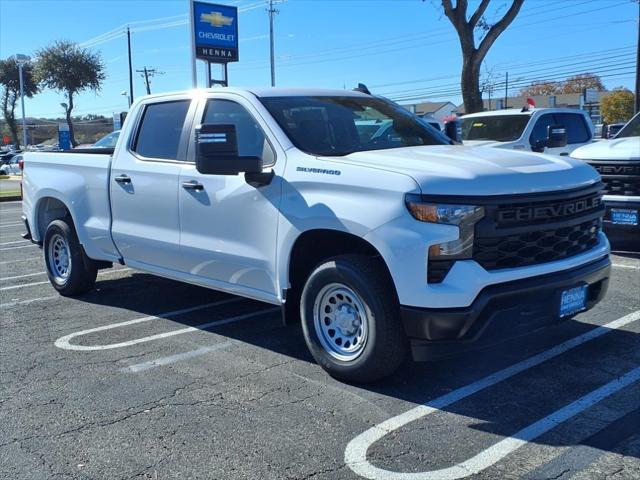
(538, 147)
(556, 136)
(453, 130)
(217, 152)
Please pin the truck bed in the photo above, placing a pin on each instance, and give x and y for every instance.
(80, 180)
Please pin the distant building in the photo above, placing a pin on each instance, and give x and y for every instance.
(436, 110)
(564, 100)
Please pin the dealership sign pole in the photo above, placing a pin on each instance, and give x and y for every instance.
(214, 38)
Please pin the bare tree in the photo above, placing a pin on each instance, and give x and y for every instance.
(473, 56)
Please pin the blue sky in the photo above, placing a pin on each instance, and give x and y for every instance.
(404, 49)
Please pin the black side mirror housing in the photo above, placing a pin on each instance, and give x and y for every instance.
(453, 130)
(217, 152)
(556, 136)
(538, 147)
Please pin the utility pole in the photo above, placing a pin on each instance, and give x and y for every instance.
(637, 104)
(147, 74)
(506, 89)
(272, 12)
(130, 67)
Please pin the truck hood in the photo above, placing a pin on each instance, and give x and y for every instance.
(483, 143)
(465, 170)
(627, 148)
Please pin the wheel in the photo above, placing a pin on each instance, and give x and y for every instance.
(69, 269)
(351, 320)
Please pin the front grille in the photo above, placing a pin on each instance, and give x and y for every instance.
(538, 246)
(619, 177)
(538, 229)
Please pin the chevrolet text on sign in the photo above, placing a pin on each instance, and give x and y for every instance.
(215, 32)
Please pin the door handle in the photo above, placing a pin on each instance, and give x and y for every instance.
(122, 179)
(193, 185)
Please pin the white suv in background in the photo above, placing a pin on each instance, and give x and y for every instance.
(528, 130)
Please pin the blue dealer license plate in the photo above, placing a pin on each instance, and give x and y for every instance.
(573, 300)
(620, 216)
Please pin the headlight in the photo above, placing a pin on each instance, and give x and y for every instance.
(443, 255)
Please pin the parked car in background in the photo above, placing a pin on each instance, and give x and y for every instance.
(528, 129)
(610, 131)
(13, 166)
(6, 157)
(618, 162)
(378, 243)
(108, 141)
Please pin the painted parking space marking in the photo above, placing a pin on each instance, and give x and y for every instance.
(28, 302)
(159, 362)
(31, 245)
(65, 342)
(15, 224)
(355, 455)
(26, 275)
(23, 285)
(14, 242)
(633, 267)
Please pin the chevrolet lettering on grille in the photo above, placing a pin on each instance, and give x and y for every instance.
(548, 211)
(618, 169)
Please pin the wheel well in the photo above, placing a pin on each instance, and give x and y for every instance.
(50, 209)
(314, 246)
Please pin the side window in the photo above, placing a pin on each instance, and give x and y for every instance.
(160, 130)
(252, 141)
(577, 131)
(539, 131)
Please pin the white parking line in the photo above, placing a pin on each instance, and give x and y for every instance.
(27, 302)
(16, 248)
(141, 367)
(619, 265)
(15, 224)
(64, 342)
(13, 243)
(21, 276)
(20, 260)
(355, 455)
(22, 285)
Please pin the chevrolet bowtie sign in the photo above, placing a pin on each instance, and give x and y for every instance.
(215, 31)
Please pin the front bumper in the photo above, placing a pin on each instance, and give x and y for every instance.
(507, 309)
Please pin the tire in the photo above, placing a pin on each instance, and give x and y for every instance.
(69, 269)
(368, 342)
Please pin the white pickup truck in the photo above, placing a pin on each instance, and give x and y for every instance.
(529, 129)
(379, 244)
(618, 162)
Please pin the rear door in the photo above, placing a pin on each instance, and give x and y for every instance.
(144, 185)
(228, 227)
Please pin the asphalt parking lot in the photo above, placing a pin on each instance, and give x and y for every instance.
(149, 378)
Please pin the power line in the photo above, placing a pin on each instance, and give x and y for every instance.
(147, 74)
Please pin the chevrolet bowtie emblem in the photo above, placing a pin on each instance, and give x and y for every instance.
(216, 19)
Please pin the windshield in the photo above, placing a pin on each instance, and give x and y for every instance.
(631, 129)
(335, 126)
(108, 141)
(499, 128)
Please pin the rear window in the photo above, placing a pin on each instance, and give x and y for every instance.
(160, 130)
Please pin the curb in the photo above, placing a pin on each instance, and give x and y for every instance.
(10, 199)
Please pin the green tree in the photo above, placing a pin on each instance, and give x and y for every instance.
(66, 67)
(10, 83)
(472, 55)
(617, 107)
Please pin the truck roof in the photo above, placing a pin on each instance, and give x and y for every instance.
(518, 111)
(266, 92)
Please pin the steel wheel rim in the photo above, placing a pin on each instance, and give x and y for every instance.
(341, 322)
(59, 258)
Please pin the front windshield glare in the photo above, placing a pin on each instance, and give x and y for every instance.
(498, 128)
(333, 126)
(631, 129)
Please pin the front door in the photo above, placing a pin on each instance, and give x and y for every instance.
(228, 227)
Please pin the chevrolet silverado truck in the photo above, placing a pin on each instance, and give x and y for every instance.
(528, 129)
(379, 244)
(618, 162)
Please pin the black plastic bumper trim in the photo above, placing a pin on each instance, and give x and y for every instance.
(463, 325)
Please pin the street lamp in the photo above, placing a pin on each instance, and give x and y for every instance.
(21, 60)
(124, 93)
